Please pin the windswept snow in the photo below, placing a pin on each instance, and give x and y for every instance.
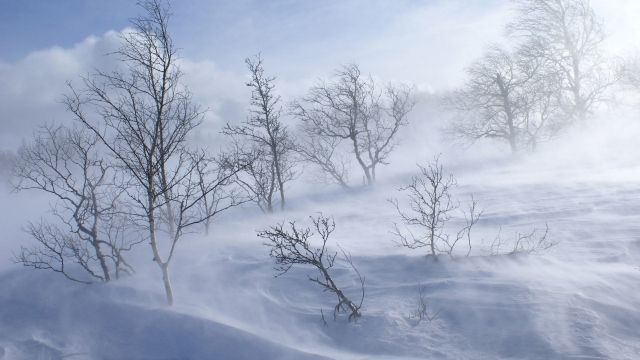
(578, 300)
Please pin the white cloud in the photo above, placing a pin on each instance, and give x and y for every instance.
(31, 89)
(425, 43)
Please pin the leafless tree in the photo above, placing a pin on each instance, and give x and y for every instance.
(541, 102)
(508, 96)
(430, 208)
(351, 109)
(267, 138)
(568, 35)
(292, 246)
(143, 116)
(65, 163)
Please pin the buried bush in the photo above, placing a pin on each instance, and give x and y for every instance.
(532, 242)
(292, 246)
(421, 310)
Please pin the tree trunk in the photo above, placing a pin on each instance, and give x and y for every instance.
(433, 223)
(365, 169)
(153, 241)
(272, 187)
(276, 163)
(432, 244)
(504, 93)
(342, 298)
(167, 283)
(94, 236)
(103, 263)
(281, 185)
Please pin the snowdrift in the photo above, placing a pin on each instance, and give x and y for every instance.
(579, 299)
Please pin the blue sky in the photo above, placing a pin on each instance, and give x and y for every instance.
(217, 27)
(225, 30)
(29, 25)
(427, 43)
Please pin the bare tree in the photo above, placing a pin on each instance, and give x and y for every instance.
(291, 247)
(430, 208)
(541, 101)
(507, 96)
(264, 135)
(352, 109)
(143, 116)
(555, 76)
(568, 35)
(65, 164)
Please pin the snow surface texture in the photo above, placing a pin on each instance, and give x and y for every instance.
(579, 299)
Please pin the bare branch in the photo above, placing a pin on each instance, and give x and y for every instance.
(65, 164)
(353, 111)
(265, 140)
(292, 247)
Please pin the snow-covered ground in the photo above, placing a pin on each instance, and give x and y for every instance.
(579, 299)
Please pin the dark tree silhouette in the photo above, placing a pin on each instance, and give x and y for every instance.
(351, 109)
(292, 247)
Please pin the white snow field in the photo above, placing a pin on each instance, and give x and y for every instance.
(578, 300)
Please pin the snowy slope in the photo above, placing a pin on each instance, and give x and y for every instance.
(578, 300)
(51, 319)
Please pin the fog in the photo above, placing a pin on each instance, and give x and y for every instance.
(576, 297)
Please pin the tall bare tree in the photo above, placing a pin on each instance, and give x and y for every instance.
(508, 96)
(351, 109)
(489, 100)
(569, 35)
(266, 137)
(88, 234)
(541, 101)
(143, 115)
